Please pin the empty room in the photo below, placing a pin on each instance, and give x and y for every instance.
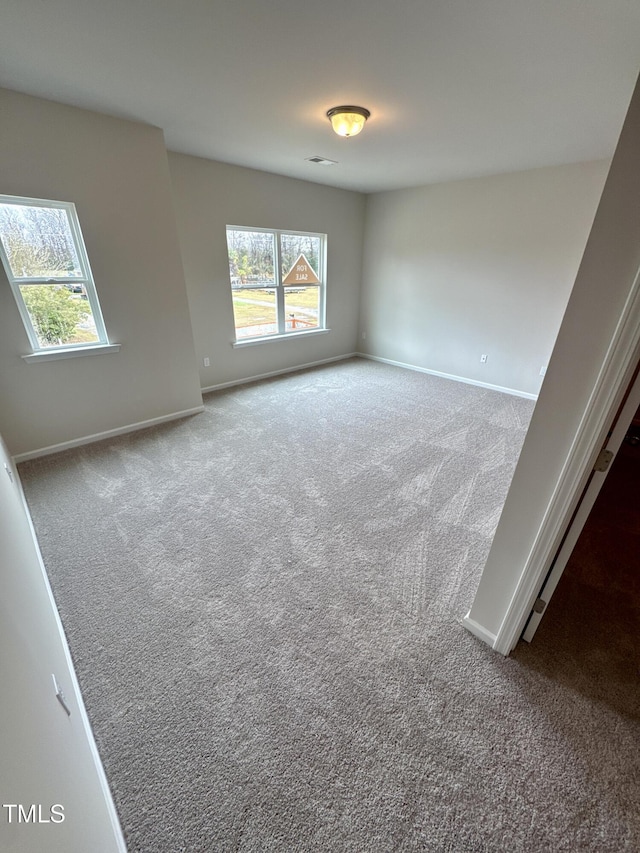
(319, 347)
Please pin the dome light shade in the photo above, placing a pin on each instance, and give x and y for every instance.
(348, 121)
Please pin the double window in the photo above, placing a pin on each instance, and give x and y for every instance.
(44, 257)
(277, 281)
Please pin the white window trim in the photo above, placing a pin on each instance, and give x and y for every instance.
(69, 352)
(51, 352)
(279, 288)
(288, 336)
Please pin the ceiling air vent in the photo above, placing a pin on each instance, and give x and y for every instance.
(321, 161)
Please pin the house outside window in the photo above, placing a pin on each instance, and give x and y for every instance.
(277, 281)
(46, 264)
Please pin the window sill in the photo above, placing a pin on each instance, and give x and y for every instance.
(70, 352)
(250, 342)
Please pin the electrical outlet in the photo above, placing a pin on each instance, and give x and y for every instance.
(207, 362)
(483, 358)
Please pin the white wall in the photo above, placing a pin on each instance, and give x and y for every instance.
(117, 174)
(46, 756)
(605, 279)
(450, 271)
(455, 270)
(208, 196)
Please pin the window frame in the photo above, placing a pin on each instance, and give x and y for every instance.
(85, 279)
(280, 289)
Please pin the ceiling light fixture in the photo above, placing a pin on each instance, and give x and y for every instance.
(347, 121)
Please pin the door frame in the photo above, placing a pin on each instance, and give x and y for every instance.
(604, 403)
(598, 476)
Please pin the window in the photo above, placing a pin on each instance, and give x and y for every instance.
(44, 257)
(277, 281)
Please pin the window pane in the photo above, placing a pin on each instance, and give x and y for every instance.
(294, 245)
(254, 310)
(252, 273)
(60, 314)
(38, 242)
(302, 308)
(251, 258)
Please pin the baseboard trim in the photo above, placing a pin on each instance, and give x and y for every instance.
(112, 433)
(109, 433)
(271, 373)
(513, 391)
(479, 631)
(70, 673)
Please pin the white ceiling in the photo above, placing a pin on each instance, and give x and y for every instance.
(456, 88)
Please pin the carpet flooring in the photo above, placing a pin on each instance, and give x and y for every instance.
(590, 636)
(264, 603)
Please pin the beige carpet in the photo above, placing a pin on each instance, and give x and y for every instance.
(264, 607)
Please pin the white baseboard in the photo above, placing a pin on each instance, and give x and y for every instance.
(293, 369)
(109, 433)
(513, 391)
(479, 631)
(70, 674)
(112, 433)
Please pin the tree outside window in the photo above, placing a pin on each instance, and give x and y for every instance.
(44, 257)
(277, 281)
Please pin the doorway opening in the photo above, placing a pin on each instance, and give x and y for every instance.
(588, 638)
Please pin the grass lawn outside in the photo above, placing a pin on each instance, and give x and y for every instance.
(253, 307)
